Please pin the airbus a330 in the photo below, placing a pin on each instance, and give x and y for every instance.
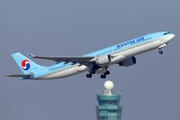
(93, 63)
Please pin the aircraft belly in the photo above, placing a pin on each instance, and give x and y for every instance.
(61, 74)
(83, 68)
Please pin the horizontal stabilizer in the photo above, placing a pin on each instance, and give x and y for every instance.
(23, 76)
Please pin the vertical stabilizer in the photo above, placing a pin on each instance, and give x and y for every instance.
(25, 64)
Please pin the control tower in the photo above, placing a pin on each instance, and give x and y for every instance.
(108, 108)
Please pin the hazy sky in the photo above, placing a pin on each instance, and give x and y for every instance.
(150, 89)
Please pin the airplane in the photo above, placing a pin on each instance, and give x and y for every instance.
(95, 62)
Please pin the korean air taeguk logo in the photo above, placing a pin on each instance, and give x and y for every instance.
(26, 64)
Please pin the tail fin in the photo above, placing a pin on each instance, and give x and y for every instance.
(25, 64)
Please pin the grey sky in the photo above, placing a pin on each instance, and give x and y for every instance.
(150, 89)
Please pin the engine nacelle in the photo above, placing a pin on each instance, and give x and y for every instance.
(128, 62)
(103, 60)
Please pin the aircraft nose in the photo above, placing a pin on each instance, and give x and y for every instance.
(173, 35)
(170, 37)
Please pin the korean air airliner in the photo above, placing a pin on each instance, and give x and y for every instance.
(93, 63)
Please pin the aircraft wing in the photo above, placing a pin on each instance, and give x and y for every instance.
(73, 60)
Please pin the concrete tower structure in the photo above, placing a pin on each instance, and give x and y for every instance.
(108, 108)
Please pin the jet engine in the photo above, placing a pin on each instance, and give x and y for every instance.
(128, 62)
(103, 60)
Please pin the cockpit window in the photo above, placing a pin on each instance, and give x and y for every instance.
(166, 33)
